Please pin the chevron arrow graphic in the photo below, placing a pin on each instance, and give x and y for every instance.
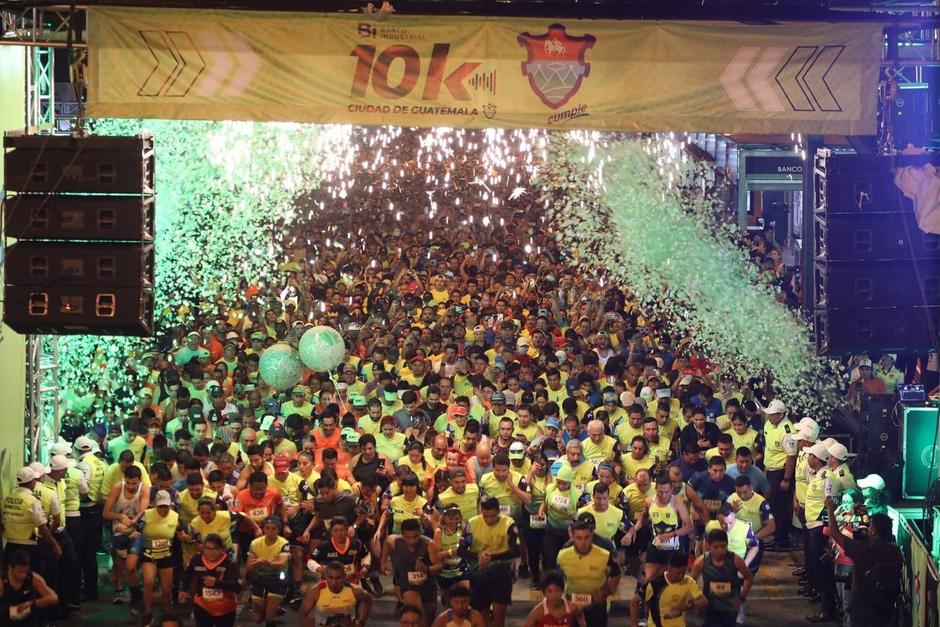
(166, 62)
(249, 63)
(787, 78)
(759, 79)
(191, 64)
(220, 63)
(732, 75)
(813, 78)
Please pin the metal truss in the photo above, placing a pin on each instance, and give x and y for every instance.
(42, 403)
(51, 26)
(40, 89)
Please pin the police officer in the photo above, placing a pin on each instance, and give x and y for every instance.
(91, 502)
(24, 519)
(821, 574)
(780, 450)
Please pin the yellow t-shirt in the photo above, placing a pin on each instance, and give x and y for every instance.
(664, 597)
(158, 533)
(221, 525)
(289, 488)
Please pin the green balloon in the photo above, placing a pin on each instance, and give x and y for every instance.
(280, 366)
(322, 349)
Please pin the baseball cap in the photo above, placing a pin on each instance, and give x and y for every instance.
(458, 410)
(829, 442)
(145, 392)
(553, 423)
(59, 462)
(83, 443)
(838, 451)
(25, 475)
(281, 463)
(278, 431)
(805, 434)
(390, 393)
(872, 481)
(663, 392)
(193, 334)
(258, 335)
(564, 473)
(498, 397)
(819, 450)
(776, 406)
(162, 498)
(61, 448)
(352, 438)
(39, 470)
(216, 391)
(522, 341)
(357, 400)
(516, 450)
(627, 398)
(195, 411)
(610, 398)
(347, 433)
(809, 424)
(231, 335)
(864, 363)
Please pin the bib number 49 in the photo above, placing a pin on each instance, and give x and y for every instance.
(369, 67)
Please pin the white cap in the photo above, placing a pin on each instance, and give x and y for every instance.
(838, 451)
(510, 397)
(808, 424)
(819, 450)
(804, 434)
(561, 355)
(663, 392)
(872, 481)
(59, 462)
(829, 442)
(162, 498)
(84, 444)
(95, 447)
(231, 335)
(39, 469)
(864, 362)
(893, 356)
(646, 392)
(776, 406)
(25, 475)
(61, 448)
(341, 386)
(627, 399)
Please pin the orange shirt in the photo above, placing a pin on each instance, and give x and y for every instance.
(256, 509)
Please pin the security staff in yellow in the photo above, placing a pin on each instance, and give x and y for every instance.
(591, 573)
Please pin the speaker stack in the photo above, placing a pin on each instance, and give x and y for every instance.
(79, 212)
(876, 274)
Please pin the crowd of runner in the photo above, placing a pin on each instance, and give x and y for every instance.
(499, 416)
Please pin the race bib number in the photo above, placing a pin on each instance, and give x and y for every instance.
(597, 462)
(212, 594)
(350, 569)
(505, 509)
(560, 502)
(712, 505)
(673, 612)
(670, 544)
(15, 614)
(160, 544)
(417, 578)
(581, 599)
(258, 514)
(536, 521)
(720, 588)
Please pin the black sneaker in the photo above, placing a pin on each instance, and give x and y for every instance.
(524, 572)
(377, 585)
(367, 586)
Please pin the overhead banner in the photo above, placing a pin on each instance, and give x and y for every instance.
(484, 72)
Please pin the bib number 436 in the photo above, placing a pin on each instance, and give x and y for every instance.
(369, 67)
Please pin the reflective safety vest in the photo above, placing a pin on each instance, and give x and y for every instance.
(19, 519)
(775, 448)
(45, 494)
(73, 495)
(59, 487)
(95, 477)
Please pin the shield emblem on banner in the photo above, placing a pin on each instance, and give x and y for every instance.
(555, 65)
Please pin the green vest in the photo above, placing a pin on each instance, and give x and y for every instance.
(45, 493)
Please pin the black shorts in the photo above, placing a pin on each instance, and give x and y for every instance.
(164, 561)
(491, 585)
(445, 583)
(659, 556)
(297, 526)
(262, 588)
